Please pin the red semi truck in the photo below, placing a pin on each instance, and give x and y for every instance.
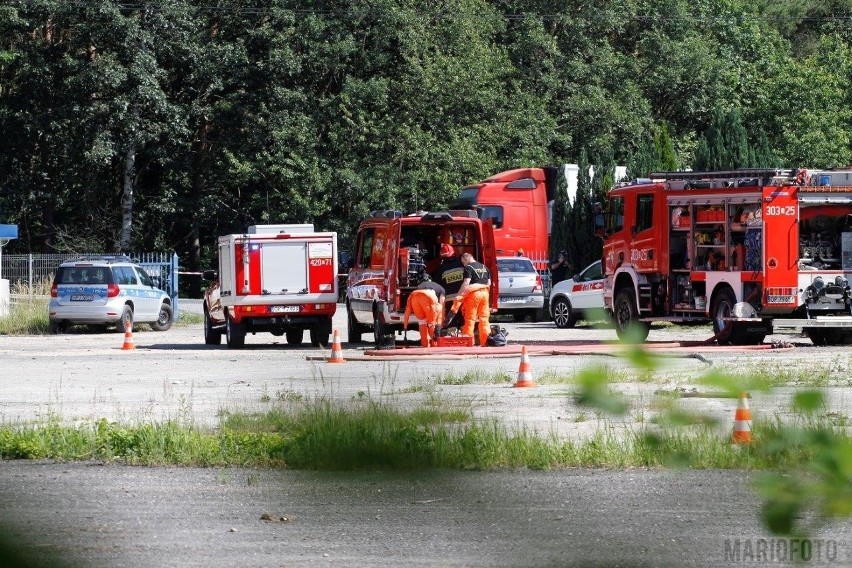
(280, 279)
(518, 204)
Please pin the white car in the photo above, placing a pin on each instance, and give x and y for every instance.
(577, 297)
(110, 291)
(521, 288)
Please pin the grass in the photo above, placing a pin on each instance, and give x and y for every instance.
(28, 311)
(320, 435)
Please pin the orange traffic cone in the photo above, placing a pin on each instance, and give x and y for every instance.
(336, 350)
(742, 422)
(128, 336)
(525, 378)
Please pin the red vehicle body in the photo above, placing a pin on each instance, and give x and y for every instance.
(392, 252)
(754, 251)
(280, 279)
(518, 203)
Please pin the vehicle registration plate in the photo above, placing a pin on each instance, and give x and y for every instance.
(505, 300)
(284, 309)
(82, 297)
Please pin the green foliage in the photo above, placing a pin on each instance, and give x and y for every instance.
(216, 116)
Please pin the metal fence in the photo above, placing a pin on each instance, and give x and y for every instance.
(35, 271)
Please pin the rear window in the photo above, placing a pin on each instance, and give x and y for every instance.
(83, 275)
(514, 265)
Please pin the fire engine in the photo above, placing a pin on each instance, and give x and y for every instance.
(281, 279)
(756, 252)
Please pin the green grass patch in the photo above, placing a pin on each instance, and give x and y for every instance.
(370, 435)
(474, 377)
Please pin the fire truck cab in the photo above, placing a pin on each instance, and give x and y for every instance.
(393, 252)
(754, 251)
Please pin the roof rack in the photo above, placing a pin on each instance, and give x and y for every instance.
(108, 258)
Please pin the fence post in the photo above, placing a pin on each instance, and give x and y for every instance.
(174, 276)
(30, 272)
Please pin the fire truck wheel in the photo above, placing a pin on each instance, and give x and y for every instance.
(563, 314)
(626, 317)
(211, 336)
(235, 333)
(320, 333)
(829, 337)
(294, 335)
(353, 328)
(722, 307)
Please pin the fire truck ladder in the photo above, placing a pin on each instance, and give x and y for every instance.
(727, 178)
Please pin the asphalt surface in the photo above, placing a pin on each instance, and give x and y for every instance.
(87, 514)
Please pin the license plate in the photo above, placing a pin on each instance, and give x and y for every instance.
(82, 297)
(284, 309)
(512, 300)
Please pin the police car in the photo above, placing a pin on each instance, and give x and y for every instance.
(580, 297)
(109, 291)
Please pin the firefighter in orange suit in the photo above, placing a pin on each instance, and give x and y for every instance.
(427, 303)
(475, 297)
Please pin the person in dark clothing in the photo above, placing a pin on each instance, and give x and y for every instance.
(450, 276)
(426, 302)
(560, 270)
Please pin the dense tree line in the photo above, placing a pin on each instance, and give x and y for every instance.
(161, 124)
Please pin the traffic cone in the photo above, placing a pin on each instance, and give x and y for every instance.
(336, 350)
(525, 378)
(128, 336)
(742, 422)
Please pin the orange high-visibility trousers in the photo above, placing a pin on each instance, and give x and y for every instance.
(424, 304)
(476, 306)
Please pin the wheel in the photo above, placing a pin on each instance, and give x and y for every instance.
(164, 319)
(731, 332)
(211, 336)
(294, 335)
(57, 327)
(383, 339)
(235, 333)
(320, 333)
(626, 317)
(353, 328)
(126, 318)
(829, 337)
(563, 315)
(721, 308)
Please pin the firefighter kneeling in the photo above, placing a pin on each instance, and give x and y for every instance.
(427, 304)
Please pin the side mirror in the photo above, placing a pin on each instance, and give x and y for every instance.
(209, 275)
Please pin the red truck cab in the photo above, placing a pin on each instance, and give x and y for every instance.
(518, 203)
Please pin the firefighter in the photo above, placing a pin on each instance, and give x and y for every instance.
(450, 274)
(427, 303)
(475, 302)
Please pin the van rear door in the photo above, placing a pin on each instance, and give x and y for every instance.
(489, 259)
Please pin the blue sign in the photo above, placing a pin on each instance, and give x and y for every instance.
(8, 231)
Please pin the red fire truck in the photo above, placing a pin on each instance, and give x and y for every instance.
(754, 251)
(280, 279)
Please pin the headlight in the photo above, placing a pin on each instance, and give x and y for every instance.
(818, 283)
(840, 281)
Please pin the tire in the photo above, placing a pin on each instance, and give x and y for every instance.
(211, 336)
(829, 337)
(126, 317)
(164, 318)
(353, 328)
(56, 327)
(626, 317)
(722, 307)
(563, 315)
(320, 333)
(235, 333)
(383, 339)
(734, 333)
(294, 335)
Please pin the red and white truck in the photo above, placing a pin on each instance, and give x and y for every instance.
(280, 279)
(754, 251)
